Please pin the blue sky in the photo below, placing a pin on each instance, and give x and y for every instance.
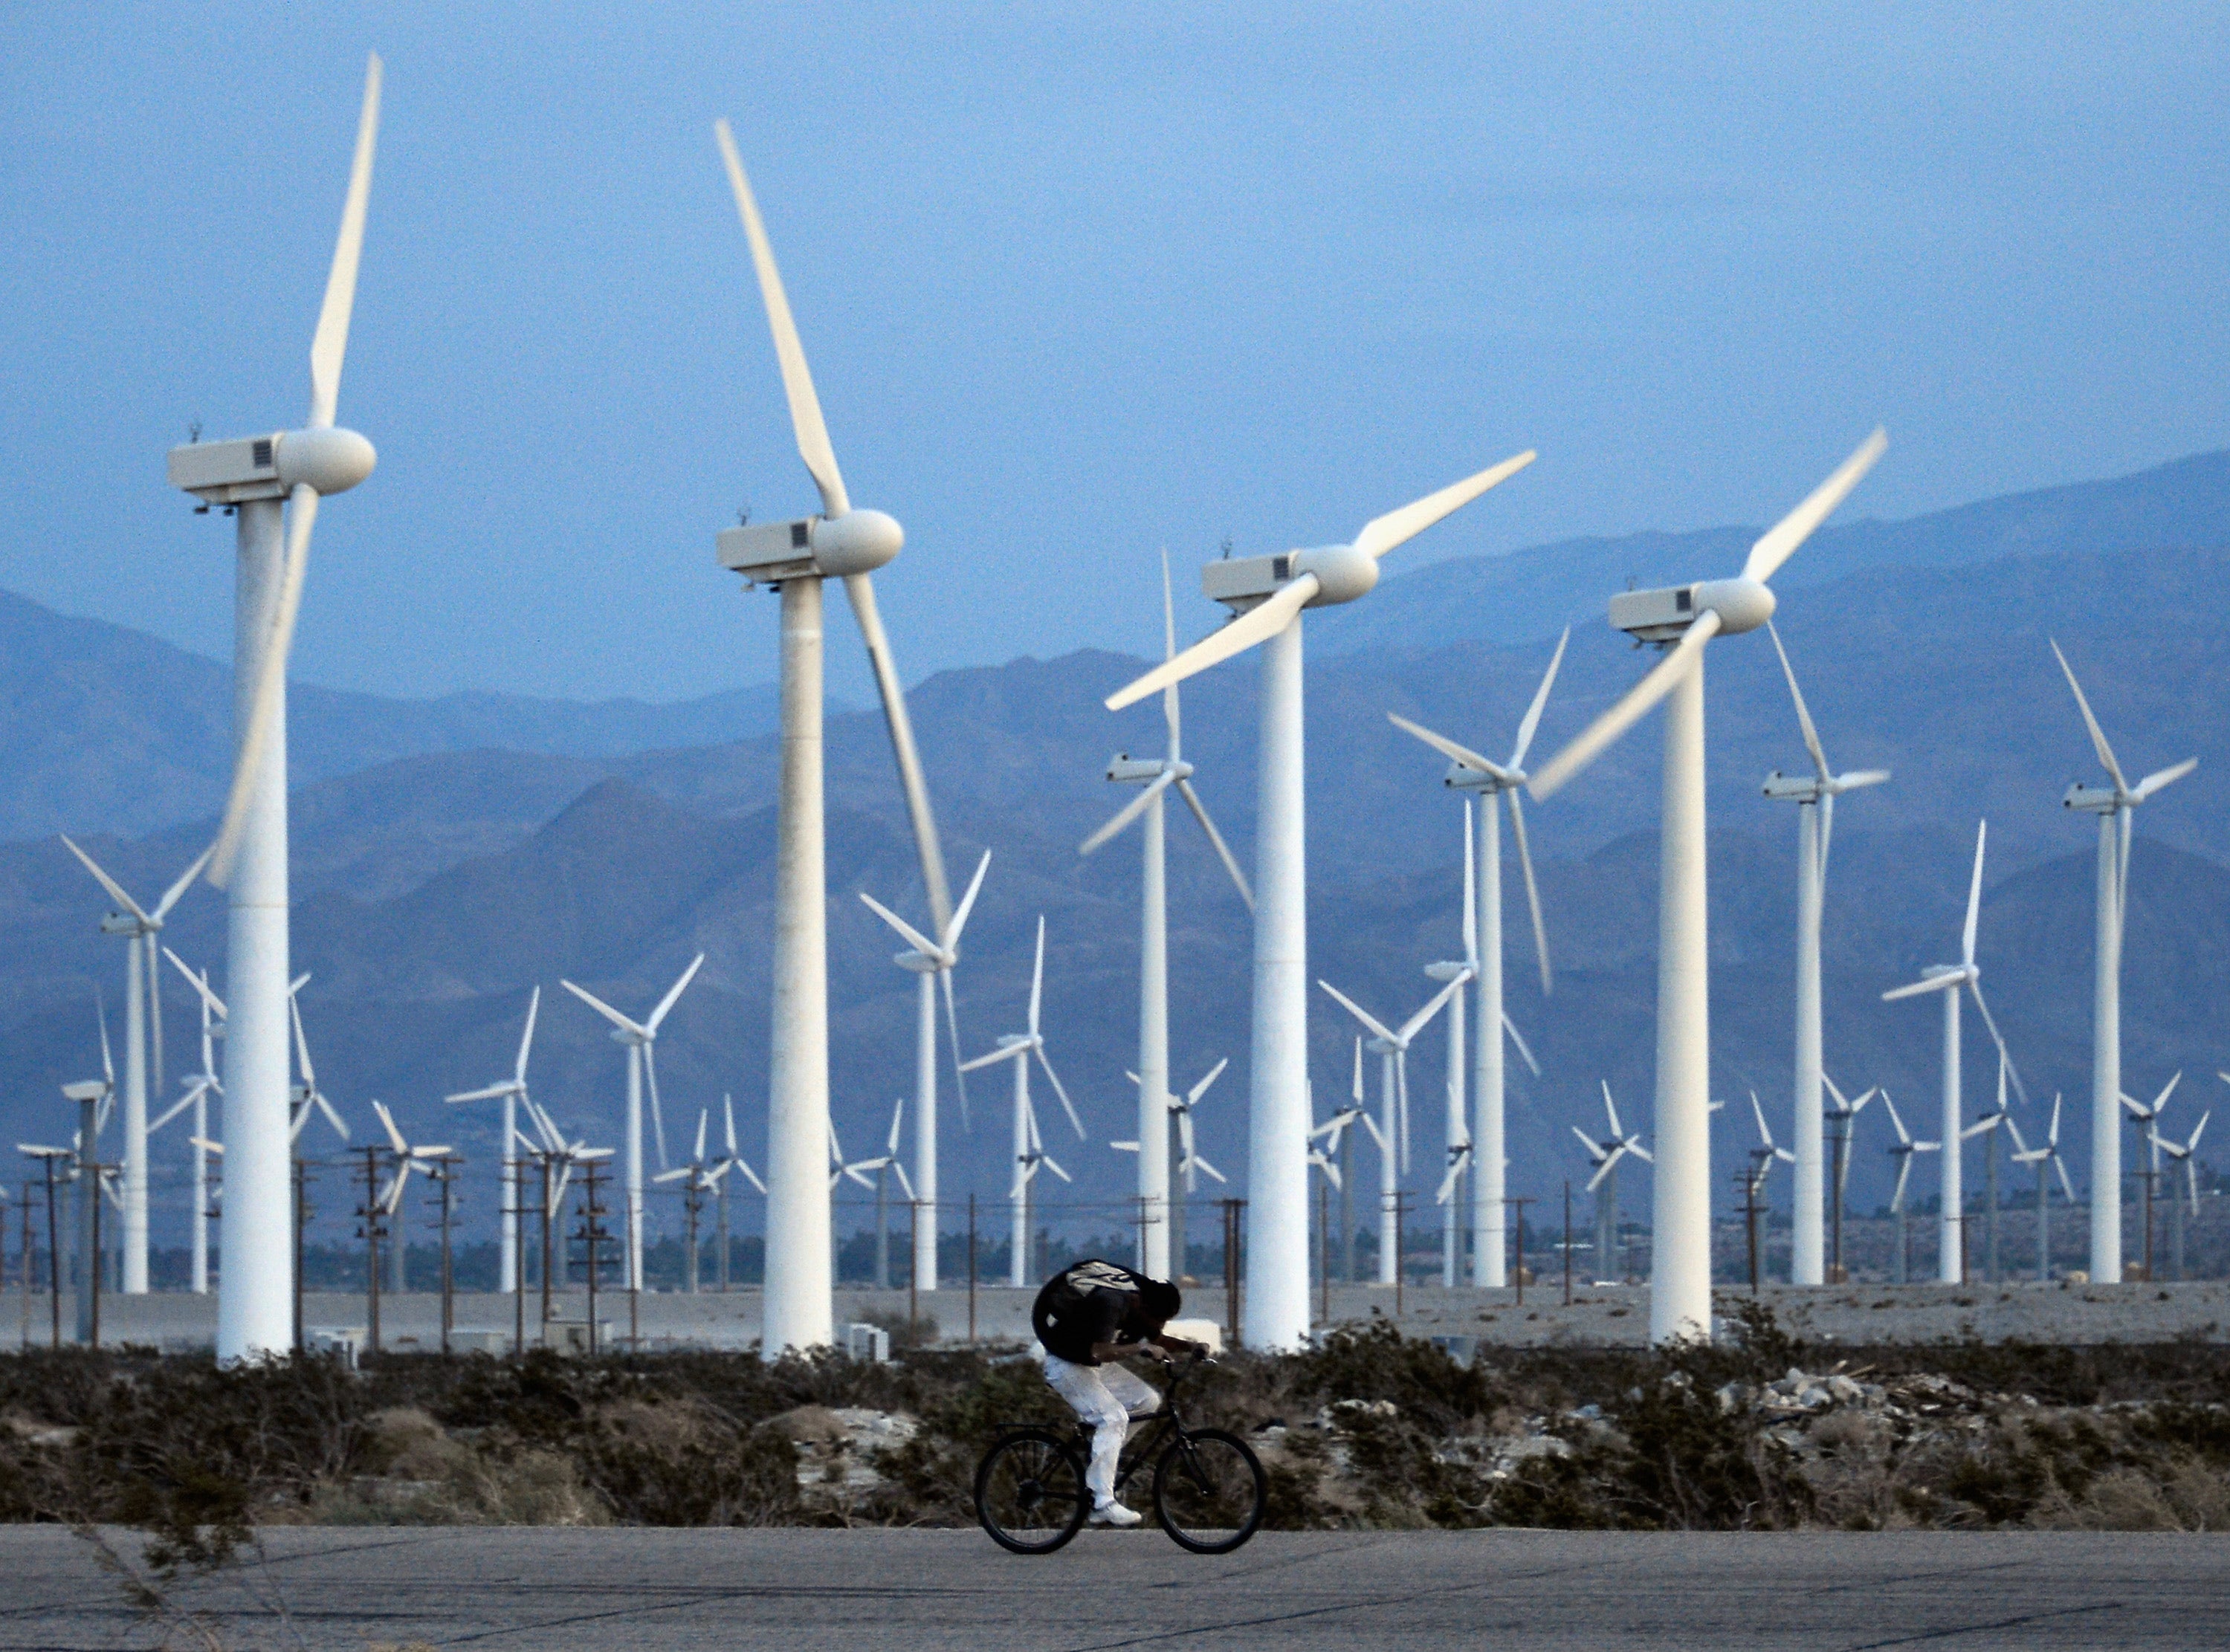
(1077, 282)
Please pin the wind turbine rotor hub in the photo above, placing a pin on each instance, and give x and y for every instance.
(859, 542)
(328, 461)
(1742, 604)
(1343, 572)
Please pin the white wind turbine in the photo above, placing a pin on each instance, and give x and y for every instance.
(511, 1091)
(1267, 595)
(406, 1159)
(1020, 1048)
(1156, 776)
(306, 1099)
(2115, 805)
(1190, 1165)
(795, 557)
(1392, 1046)
(641, 1038)
(1769, 1151)
(1483, 943)
(2185, 1153)
(1948, 979)
(1814, 795)
(884, 1164)
(272, 482)
(732, 1159)
(1683, 618)
(1603, 1183)
(1903, 1150)
(199, 1086)
(2046, 1154)
(143, 1029)
(932, 962)
(1844, 1113)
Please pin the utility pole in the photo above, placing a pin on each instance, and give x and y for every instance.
(1346, 1208)
(546, 1268)
(302, 1222)
(971, 1270)
(1232, 1207)
(1323, 1255)
(1841, 1139)
(53, 1252)
(692, 1203)
(1517, 1273)
(1401, 1210)
(28, 1259)
(721, 1192)
(445, 1170)
(1567, 1242)
(591, 1234)
(1759, 1157)
(372, 1230)
(89, 1098)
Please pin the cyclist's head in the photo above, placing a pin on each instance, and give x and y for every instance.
(1159, 1300)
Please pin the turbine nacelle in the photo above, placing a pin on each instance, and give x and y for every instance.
(856, 542)
(326, 461)
(1126, 769)
(2090, 799)
(1343, 574)
(1662, 615)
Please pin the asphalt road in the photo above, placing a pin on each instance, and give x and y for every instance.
(549, 1590)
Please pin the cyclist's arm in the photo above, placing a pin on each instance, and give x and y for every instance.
(1109, 1352)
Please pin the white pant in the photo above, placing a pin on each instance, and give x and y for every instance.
(1107, 1397)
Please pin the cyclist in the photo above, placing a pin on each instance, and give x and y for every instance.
(1089, 1315)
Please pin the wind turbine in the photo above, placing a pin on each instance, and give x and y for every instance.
(932, 962)
(1948, 979)
(2141, 1117)
(2114, 806)
(1156, 776)
(731, 1160)
(883, 1165)
(306, 1098)
(795, 557)
(2048, 1154)
(1267, 595)
(1392, 1047)
(1844, 1113)
(1986, 1128)
(512, 1091)
(1469, 772)
(198, 1088)
(1683, 619)
(1603, 1183)
(1903, 1150)
(2183, 1152)
(1019, 1048)
(272, 482)
(641, 1038)
(407, 1159)
(1332, 1160)
(1814, 795)
(139, 926)
(696, 1176)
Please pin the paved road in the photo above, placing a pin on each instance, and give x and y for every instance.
(549, 1590)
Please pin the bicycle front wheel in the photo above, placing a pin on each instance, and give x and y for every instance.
(1209, 1491)
(1030, 1493)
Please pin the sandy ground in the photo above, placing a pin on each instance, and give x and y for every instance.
(1598, 1315)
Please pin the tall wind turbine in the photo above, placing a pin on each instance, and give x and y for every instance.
(1683, 619)
(511, 1203)
(931, 962)
(2114, 804)
(1156, 776)
(794, 557)
(641, 1038)
(271, 482)
(1029, 1151)
(2048, 1154)
(139, 926)
(199, 1086)
(1603, 1183)
(1469, 772)
(1814, 795)
(1267, 595)
(1392, 1046)
(1903, 1150)
(1948, 979)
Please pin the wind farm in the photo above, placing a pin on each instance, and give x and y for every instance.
(1215, 844)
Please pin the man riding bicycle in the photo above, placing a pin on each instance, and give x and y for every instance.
(1088, 1315)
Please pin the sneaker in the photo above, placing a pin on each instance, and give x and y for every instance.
(1115, 1514)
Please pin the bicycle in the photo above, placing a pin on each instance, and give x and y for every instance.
(1209, 1489)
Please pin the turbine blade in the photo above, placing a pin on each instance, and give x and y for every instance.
(1532, 720)
(1418, 1022)
(1170, 715)
(2161, 777)
(1637, 701)
(1037, 978)
(952, 1029)
(605, 1009)
(1973, 898)
(812, 444)
(898, 1169)
(1519, 1038)
(1610, 1107)
(1927, 984)
(1259, 624)
(1193, 1096)
(1470, 889)
(1222, 849)
(897, 1118)
(1780, 541)
(912, 936)
(264, 706)
(1130, 811)
(526, 1036)
(1461, 755)
(1382, 534)
(340, 1127)
(115, 889)
(387, 1123)
(1903, 1174)
(673, 992)
(967, 904)
(859, 591)
(1898, 1123)
(1804, 713)
(704, 1120)
(330, 344)
(1532, 896)
(728, 1120)
(1060, 1090)
(2060, 1164)
(1378, 1028)
(649, 1056)
(1975, 985)
(2098, 735)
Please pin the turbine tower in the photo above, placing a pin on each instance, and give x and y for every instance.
(199, 1087)
(2114, 806)
(1683, 619)
(1469, 772)
(142, 1017)
(795, 557)
(1029, 1151)
(272, 482)
(1155, 1100)
(510, 1203)
(641, 1038)
(1948, 979)
(1267, 594)
(931, 962)
(1814, 796)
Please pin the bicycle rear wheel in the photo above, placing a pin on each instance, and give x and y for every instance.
(1029, 1492)
(1209, 1491)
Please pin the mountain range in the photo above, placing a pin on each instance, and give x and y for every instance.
(434, 883)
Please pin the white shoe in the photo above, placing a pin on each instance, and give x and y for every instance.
(1115, 1514)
